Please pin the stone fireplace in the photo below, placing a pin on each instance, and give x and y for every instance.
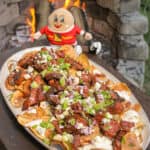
(118, 24)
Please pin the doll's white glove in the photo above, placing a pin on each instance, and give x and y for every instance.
(78, 49)
(36, 35)
(96, 46)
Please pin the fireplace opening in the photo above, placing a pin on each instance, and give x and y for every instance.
(118, 25)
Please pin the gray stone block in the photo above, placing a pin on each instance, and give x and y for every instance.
(132, 71)
(129, 6)
(9, 14)
(133, 47)
(113, 19)
(11, 26)
(2, 32)
(133, 24)
(103, 28)
(12, 1)
(4, 42)
(120, 6)
(111, 4)
(3, 6)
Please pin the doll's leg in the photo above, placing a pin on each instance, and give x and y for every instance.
(77, 48)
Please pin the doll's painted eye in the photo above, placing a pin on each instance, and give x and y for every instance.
(55, 18)
(62, 20)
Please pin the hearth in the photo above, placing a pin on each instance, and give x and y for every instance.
(117, 24)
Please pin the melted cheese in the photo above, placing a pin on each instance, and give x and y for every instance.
(41, 130)
(100, 143)
(44, 105)
(131, 116)
(30, 69)
(33, 111)
(27, 76)
(96, 71)
(97, 86)
(34, 122)
(124, 95)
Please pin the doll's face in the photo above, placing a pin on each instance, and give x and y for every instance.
(60, 20)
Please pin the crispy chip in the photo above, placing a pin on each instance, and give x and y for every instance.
(36, 133)
(8, 83)
(17, 99)
(72, 72)
(86, 138)
(28, 116)
(83, 59)
(69, 51)
(130, 142)
(25, 87)
(121, 87)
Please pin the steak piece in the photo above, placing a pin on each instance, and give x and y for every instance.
(111, 128)
(53, 99)
(53, 75)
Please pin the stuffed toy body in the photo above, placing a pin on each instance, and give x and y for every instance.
(62, 30)
(61, 38)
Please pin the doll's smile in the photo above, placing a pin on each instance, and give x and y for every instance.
(57, 25)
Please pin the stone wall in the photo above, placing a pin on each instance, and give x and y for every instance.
(121, 22)
(11, 14)
(6, 16)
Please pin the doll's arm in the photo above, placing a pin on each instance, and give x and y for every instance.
(37, 35)
(94, 46)
(88, 36)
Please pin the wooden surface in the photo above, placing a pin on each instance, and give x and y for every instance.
(14, 137)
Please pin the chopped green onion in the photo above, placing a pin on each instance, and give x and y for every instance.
(61, 60)
(84, 103)
(99, 106)
(47, 125)
(44, 53)
(66, 137)
(44, 124)
(64, 66)
(123, 140)
(46, 88)
(72, 121)
(108, 115)
(77, 96)
(49, 58)
(62, 95)
(61, 122)
(65, 105)
(80, 81)
(62, 81)
(108, 102)
(50, 68)
(34, 126)
(43, 73)
(34, 85)
(91, 111)
(102, 105)
(106, 94)
(51, 126)
(46, 141)
(90, 121)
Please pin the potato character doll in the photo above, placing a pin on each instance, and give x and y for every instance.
(62, 30)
